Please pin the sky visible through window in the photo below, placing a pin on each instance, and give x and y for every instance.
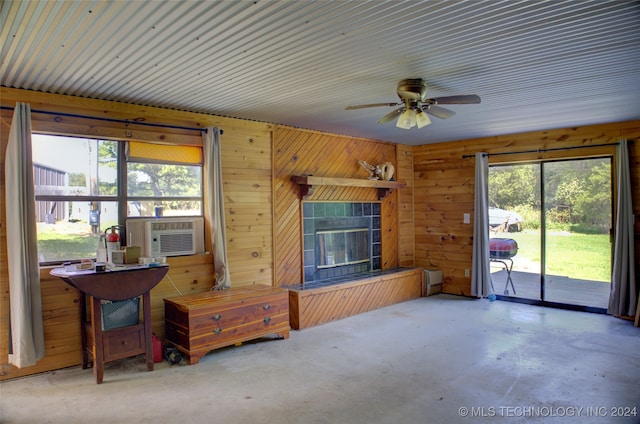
(69, 154)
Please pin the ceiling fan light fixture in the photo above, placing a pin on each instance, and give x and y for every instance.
(407, 119)
(422, 119)
(415, 108)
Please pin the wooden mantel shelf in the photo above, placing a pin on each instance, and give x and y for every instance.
(307, 183)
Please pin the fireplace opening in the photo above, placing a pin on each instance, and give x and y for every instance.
(342, 247)
(340, 240)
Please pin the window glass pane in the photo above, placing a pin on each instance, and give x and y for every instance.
(159, 207)
(164, 190)
(67, 166)
(163, 180)
(71, 229)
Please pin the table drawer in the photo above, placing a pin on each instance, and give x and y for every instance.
(125, 342)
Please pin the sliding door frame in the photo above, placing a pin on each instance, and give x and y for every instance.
(543, 235)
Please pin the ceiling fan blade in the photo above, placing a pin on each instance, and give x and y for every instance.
(371, 105)
(439, 112)
(455, 100)
(390, 116)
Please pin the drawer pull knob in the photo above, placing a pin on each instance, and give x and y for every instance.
(266, 307)
(217, 317)
(217, 330)
(267, 320)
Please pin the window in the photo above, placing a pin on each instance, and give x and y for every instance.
(84, 186)
(163, 180)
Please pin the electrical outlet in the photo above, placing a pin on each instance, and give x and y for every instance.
(467, 218)
(466, 272)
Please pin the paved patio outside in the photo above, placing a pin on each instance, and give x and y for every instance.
(558, 288)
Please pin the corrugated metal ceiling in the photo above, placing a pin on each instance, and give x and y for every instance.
(535, 64)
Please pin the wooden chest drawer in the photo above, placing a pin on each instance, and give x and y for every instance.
(202, 317)
(199, 323)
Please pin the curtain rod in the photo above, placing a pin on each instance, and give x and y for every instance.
(122, 121)
(541, 150)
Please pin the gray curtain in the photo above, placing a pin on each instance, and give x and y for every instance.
(480, 271)
(26, 326)
(624, 296)
(214, 205)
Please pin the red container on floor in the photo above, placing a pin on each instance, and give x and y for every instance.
(501, 248)
(157, 349)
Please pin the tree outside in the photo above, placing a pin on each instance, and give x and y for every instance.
(577, 194)
(578, 214)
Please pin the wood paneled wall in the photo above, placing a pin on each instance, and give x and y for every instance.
(246, 155)
(444, 187)
(250, 185)
(297, 152)
(406, 239)
(246, 173)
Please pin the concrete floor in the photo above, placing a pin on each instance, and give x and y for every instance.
(422, 361)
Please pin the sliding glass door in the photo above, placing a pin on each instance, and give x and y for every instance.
(515, 230)
(550, 229)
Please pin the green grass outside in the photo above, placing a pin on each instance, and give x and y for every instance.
(58, 247)
(580, 256)
(67, 240)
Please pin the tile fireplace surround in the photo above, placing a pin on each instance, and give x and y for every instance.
(339, 215)
(338, 282)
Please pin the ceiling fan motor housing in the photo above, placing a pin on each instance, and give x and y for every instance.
(412, 89)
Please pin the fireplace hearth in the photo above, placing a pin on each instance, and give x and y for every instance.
(341, 239)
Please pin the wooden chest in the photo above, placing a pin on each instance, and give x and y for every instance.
(199, 323)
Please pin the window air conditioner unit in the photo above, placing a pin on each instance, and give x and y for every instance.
(166, 236)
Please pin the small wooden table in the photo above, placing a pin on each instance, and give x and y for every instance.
(120, 284)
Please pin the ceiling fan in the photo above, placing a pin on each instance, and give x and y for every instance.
(415, 106)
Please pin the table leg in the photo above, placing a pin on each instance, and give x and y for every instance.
(508, 267)
(509, 280)
(83, 330)
(98, 351)
(491, 279)
(146, 305)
